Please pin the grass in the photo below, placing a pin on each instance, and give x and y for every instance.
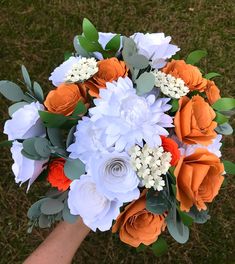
(37, 33)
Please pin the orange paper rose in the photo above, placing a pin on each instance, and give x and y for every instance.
(109, 70)
(65, 97)
(194, 121)
(199, 177)
(212, 92)
(136, 225)
(169, 145)
(188, 73)
(56, 176)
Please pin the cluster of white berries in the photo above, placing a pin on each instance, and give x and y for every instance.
(150, 164)
(169, 85)
(81, 71)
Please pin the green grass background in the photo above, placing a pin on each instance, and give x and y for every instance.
(36, 33)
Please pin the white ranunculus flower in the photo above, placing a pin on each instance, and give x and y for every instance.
(104, 38)
(25, 123)
(23, 168)
(115, 177)
(155, 47)
(95, 209)
(127, 119)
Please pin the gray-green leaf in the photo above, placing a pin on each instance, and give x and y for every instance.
(138, 61)
(11, 91)
(224, 129)
(145, 83)
(74, 168)
(13, 108)
(51, 206)
(26, 77)
(38, 92)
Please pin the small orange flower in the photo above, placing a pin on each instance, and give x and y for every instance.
(194, 121)
(136, 225)
(188, 73)
(56, 176)
(169, 145)
(199, 178)
(65, 97)
(109, 70)
(212, 92)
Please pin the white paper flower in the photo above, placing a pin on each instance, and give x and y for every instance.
(155, 47)
(23, 168)
(75, 69)
(95, 209)
(25, 123)
(115, 177)
(128, 119)
(104, 38)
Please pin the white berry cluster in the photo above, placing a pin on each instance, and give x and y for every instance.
(169, 85)
(150, 164)
(81, 71)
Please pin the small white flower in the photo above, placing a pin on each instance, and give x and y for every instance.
(23, 168)
(155, 47)
(95, 209)
(25, 123)
(169, 85)
(115, 177)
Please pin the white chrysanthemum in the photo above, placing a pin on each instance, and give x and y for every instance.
(155, 47)
(25, 123)
(115, 177)
(95, 209)
(169, 85)
(128, 119)
(81, 71)
(150, 164)
(23, 168)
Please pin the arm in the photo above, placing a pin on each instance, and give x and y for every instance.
(61, 245)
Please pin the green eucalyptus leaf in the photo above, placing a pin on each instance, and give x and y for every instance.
(26, 77)
(51, 119)
(70, 137)
(114, 43)
(229, 167)
(159, 247)
(55, 136)
(30, 156)
(11, 91)
(13, 108)
(195, 56)
(129, 48)
(38, 92)
(211, 75)
(224, 104)
(74, 168)
(224, 129)
(220, 118)
(89, 30)
(29, 149)
(44, 221)
(199, 217)
(41, 146)
(67, 216)
(145, 83)
(34, 210)
(156, 202)
(138, 61)
(51, 206)
(53, 193)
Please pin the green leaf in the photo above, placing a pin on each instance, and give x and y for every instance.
(67, 216)
(11, 91)
(145, 83)
(187, 220)
(159, 247)
(79, 109)
(229, 167)
(70, 137)
(44, 221)
(211, 75)
(114, 43)
(13, 108)
(224, 104)
(220, 118)
(199, 217)
(89, 46)
(141, 248)
(51, 206)
(138, 61)
(6, 143)
(74, 168)
(175, 105)
(156, 202)
(89, 30)
(129, 48)
(51, 119)
(224, 129)
(26, 77)
(67, 55)
(29, 150)
(41, 146)
(79, 49)
(38, 92)
(55, 136)
(195, 56)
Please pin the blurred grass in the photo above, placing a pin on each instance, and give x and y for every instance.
(36, 33)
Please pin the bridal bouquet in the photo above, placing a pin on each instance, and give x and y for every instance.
(129, 138)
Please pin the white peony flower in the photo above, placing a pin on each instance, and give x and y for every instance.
(23, 168)
(95, 209)
(128, 119)
(114, 176)
(75, 69)
(25, 123)
(155, 47)
(104, 38)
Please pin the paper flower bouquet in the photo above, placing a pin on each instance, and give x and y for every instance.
(129, 139)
